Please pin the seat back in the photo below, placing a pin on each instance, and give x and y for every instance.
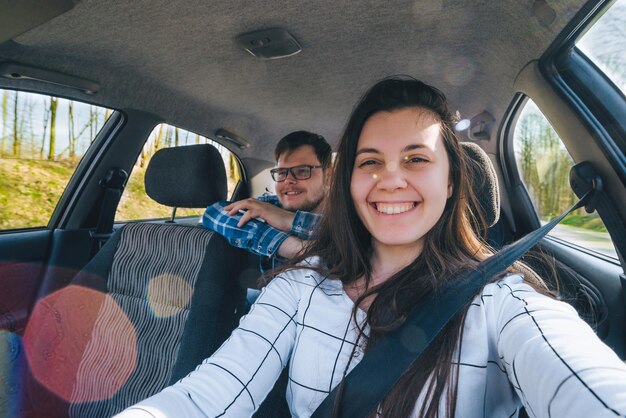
(484, 182)
(153, 303)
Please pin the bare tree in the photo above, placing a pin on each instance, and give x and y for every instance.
(5, 120)
(46, 119)
(16, 138)
(53, 117)
(93, 123)
(75, 135)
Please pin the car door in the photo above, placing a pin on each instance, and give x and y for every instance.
(571, 108)
(47, 148)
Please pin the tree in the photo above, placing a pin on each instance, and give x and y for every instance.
(16, 138)
(5, 120)
(53, 117)
(93, 123)
(46, 119)
(73, 135)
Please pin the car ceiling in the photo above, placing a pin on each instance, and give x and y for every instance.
(180, 60)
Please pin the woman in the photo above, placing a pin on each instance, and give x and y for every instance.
(397, 225)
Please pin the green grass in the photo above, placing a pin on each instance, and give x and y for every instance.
(30, 190)
(135, 203)
(588, 221)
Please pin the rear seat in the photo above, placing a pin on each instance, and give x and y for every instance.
(152, 304)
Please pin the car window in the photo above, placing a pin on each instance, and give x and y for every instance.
(605, 44)
(544, 164)
(42, 141)
(135, 204)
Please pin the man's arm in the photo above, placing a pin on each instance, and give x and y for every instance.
(255, 236)
(283, 231)
(253, 209)
(304, 224)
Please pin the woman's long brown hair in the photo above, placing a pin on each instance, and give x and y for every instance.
(344, 245)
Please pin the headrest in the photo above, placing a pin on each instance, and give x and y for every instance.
(484, 182)
(186, 177)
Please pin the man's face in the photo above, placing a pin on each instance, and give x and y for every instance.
(294, 194)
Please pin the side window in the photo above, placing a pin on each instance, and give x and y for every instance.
(605, 44)
(42, 139)
(544, 164)
(135, 203)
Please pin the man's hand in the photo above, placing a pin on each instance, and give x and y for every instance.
(278, 218)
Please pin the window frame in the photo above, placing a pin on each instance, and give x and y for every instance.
(569, 74)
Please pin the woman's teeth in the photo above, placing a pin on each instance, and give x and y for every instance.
(394, 208)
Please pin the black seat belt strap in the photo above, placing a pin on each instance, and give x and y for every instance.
(113, 184)
(383, 365)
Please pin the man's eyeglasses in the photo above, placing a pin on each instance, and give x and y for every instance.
(299, 172)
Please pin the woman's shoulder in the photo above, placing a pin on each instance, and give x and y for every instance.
(309, 273)
(513, 293)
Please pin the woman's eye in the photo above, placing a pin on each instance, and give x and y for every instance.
(415, 160)
(368, 164)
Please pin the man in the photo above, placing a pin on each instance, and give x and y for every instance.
(274, 226)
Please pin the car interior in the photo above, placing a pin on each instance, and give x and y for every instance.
(99, 311)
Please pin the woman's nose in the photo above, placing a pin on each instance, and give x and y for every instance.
(391, 177)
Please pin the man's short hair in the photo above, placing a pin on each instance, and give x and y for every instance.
(295, 140)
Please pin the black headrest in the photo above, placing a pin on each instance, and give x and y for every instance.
(186, 177)
(484, 182)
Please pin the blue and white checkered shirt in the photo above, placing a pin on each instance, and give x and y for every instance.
(257, 236)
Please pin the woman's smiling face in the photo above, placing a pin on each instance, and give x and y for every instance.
(400, 179)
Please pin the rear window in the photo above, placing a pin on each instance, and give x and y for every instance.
(135, 204)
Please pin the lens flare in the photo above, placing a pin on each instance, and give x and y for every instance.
(460, 71)
(80, 344)
(462, 125)
(168, 294)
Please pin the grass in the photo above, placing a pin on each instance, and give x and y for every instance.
(588, 221)
(135, 203)
(30, 190)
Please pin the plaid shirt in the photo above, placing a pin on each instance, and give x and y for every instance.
(256, 235)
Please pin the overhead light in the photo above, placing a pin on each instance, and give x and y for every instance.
(25, 72)
(269, 44)
(227, 136)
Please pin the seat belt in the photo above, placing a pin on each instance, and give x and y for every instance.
(113, 184)
(382, 366)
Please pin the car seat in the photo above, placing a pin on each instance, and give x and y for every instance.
(155, 301)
